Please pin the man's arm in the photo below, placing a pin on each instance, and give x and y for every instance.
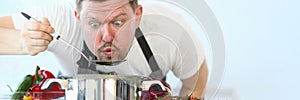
(195, 85)
(32, 39)
(10, 42)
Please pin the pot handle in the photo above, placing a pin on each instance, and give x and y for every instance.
(50, 82)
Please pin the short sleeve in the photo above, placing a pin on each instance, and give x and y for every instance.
(189, 56)
(179, 44)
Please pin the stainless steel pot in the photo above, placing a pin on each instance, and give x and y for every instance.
(97, 87)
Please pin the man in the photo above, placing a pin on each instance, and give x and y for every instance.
(105, 31)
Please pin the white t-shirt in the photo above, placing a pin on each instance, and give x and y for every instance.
(175, 47)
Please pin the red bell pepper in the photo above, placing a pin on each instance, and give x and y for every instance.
(38, 80)
(194, 98)
(155, 91)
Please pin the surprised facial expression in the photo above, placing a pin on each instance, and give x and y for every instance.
(109, 27)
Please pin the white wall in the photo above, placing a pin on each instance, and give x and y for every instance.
(262, 47)
(261, 37)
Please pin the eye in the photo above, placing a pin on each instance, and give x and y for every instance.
(95, 25)
(117, 23)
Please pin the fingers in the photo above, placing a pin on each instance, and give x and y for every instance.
(45, 21)
(39, 35)
(36, 36)
(36, 26)
(36, 42)
(35, 50)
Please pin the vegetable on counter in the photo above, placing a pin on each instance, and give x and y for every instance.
(194, 98)
(31, 87)
(27, 97)
(39, 78)
(155, 91)
(23, 87)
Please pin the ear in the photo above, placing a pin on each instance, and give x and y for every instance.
(77, 15)
(138, 15)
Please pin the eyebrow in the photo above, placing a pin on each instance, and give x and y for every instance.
(121, 14)
(93, 18)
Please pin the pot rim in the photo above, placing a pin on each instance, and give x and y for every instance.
(102, 76)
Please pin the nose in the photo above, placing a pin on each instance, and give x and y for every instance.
(107, 34)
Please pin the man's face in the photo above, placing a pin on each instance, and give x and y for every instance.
(109, 27)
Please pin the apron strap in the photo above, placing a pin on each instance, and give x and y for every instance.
(156, 72)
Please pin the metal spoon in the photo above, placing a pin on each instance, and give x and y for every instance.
(100, 62)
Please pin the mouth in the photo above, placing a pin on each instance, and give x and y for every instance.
(108, 51)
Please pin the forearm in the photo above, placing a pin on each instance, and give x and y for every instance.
(196, 89)
(10, 42)
(201, 83)
(195, 86)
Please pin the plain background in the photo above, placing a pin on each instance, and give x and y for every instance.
(261, 38)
